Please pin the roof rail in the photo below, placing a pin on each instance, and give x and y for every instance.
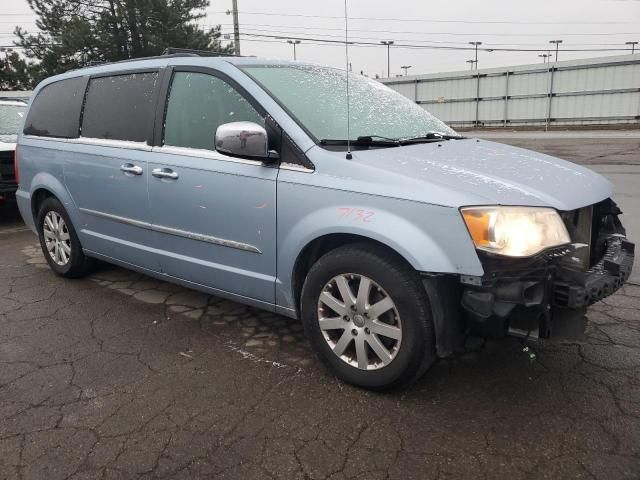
(168, 52)
(190, 52)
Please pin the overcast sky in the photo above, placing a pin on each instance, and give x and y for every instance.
(527, 24)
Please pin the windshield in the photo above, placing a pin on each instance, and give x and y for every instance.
(317, 98)
(11, 118)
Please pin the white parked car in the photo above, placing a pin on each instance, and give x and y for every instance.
(11, 116)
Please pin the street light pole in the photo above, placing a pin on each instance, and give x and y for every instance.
(544, 57)
(388, 43)
(475, 44)
(405, 68)
(633, 46)
(294, 43)
(471, 62)
(557, 42)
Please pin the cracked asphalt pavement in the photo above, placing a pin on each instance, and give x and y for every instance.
(121, 376)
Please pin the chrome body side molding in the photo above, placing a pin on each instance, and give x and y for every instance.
(174, 231)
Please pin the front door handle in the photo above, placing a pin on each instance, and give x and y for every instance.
(131, 168)
(164, 173)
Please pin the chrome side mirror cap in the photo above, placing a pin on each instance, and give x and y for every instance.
(243, 139)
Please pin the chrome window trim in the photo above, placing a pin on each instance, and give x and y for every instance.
(203, 153)
(294, 167)
(175, 231)
(183, 151)
(105, 142)
(48, 139)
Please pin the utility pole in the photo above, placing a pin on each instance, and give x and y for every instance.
(405, 68)
(388, 43)
(236, 28)
(471, 62)
(557, 42)
(633, 46)
(544, 57)
(294, 43)
(476, 44)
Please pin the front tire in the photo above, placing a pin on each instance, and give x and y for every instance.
(59, 241)
(368, 317)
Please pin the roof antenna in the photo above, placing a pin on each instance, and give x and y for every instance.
(346, 52)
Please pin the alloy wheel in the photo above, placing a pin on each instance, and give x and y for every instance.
(57, 238)
(359, 321)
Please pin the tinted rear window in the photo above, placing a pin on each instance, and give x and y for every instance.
(55, 112)
(120, 107)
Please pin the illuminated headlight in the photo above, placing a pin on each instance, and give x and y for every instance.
(515, 231)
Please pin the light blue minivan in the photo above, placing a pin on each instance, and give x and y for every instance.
(388, 234)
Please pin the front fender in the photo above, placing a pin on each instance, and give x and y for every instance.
(431, 238)
(415, 245)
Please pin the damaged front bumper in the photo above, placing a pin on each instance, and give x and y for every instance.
(547, 295)
(577, 289)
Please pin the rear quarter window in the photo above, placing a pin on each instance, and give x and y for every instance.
(55, 112)
(120, 107)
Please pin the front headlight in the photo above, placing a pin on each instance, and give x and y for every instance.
(515, 231)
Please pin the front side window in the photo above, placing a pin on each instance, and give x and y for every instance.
(317, 98)
(120, 107)
(198, 104)
(55, 112)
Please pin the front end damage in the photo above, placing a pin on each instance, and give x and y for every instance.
(547, 294)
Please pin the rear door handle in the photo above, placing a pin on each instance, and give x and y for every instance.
(164, 173)
(131, 168)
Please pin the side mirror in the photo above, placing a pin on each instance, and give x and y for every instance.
(243, 139)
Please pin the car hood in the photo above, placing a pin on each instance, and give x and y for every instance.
(472, 171)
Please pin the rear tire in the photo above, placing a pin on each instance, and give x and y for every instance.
(59, 241)
(368, 318)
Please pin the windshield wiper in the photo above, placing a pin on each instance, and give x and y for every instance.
(380, 141)
(376, 138)
(431, 137)
(370, 140)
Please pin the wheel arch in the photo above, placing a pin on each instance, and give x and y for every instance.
(45, 185)
(38, 197)
(443, 290)
(323, 244)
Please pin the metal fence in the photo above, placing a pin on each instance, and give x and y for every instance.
(578, 92)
